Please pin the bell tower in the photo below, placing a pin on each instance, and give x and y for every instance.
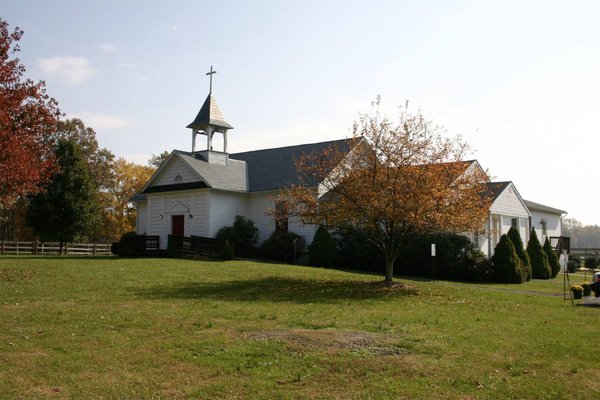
(209, 121)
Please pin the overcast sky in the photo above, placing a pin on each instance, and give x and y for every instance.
(518, 79)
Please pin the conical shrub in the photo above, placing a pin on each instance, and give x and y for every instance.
(540, 267)
(322, 250)
(506, 266)
(552, 259)
(515, 238)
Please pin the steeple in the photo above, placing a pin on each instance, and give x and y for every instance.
(209, 120)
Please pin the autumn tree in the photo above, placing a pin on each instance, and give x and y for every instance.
(27, 120)
(66, 210)
(400, 178)
(129, 179)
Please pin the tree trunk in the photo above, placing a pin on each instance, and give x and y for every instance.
(60, 247)
(389, 269)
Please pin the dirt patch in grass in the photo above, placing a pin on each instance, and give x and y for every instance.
(333, 341)
(11, 274)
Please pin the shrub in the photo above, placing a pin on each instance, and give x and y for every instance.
(552, 259)
(456, 258)
(591, 262)
(243, 235)
(515, 237)
(322, 250)
(540, 267)
(355, 251)
(125, 247)
(572, 265)
(506, 265)
(279, 246)
(226, 252)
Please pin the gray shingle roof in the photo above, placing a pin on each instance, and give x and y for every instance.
(209, 114)
(540, 207)
(218, 176)
(272, 169)
(495, 189)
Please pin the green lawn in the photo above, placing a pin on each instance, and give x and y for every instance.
(161, 328)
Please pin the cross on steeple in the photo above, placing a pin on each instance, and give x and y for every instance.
(210, 73)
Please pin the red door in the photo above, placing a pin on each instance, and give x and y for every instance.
(177, 223)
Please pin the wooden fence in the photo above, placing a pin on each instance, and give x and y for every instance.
(52, 248)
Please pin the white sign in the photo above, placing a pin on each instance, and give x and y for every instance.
(432, 249)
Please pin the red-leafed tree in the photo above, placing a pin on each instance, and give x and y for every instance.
(28, 117)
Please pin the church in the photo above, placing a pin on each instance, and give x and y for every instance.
(198, 192)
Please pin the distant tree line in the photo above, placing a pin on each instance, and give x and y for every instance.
(582, 236)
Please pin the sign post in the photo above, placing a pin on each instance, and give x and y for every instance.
(433, 261)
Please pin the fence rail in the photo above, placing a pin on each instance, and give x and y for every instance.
(52, 248)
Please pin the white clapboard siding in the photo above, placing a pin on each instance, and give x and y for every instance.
(224, 206)
(553, 224)
(259, 205)
(509, 204)
(174, 168)
(141, 217)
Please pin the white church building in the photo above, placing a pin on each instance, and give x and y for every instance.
(196, 193)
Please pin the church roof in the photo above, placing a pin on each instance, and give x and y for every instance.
(540, 207)
(209, 114)
(495, 189)
(230, 176)
(272, 169)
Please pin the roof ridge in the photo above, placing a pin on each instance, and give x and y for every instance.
(295, 145)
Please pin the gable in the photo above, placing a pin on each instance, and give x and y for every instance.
(508, 201)
(175, 172)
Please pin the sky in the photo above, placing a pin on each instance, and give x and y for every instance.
(519, 80)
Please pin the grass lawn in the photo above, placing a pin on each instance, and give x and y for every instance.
(161, 328)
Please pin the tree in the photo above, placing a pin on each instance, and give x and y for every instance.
(506, 265)
(119, 214)
(28, 118)
(157, 159)
(101, 166)
(539, 260)
(67, 209)
(552, 259)
(399, 179)
(100, 160)
(515, 237)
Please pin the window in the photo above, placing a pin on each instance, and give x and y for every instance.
(281, 216)
(476, 237)
(514, 222)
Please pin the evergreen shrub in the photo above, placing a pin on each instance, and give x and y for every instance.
(552, 259)
(226, 252)
(322, 250)
(125, 247)
(356, 251)
(572, 266)
(591, 262)
(279, 246)
(457, 258)
(540, 267)
(515, 237)
(506, 265)
(243, 234)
